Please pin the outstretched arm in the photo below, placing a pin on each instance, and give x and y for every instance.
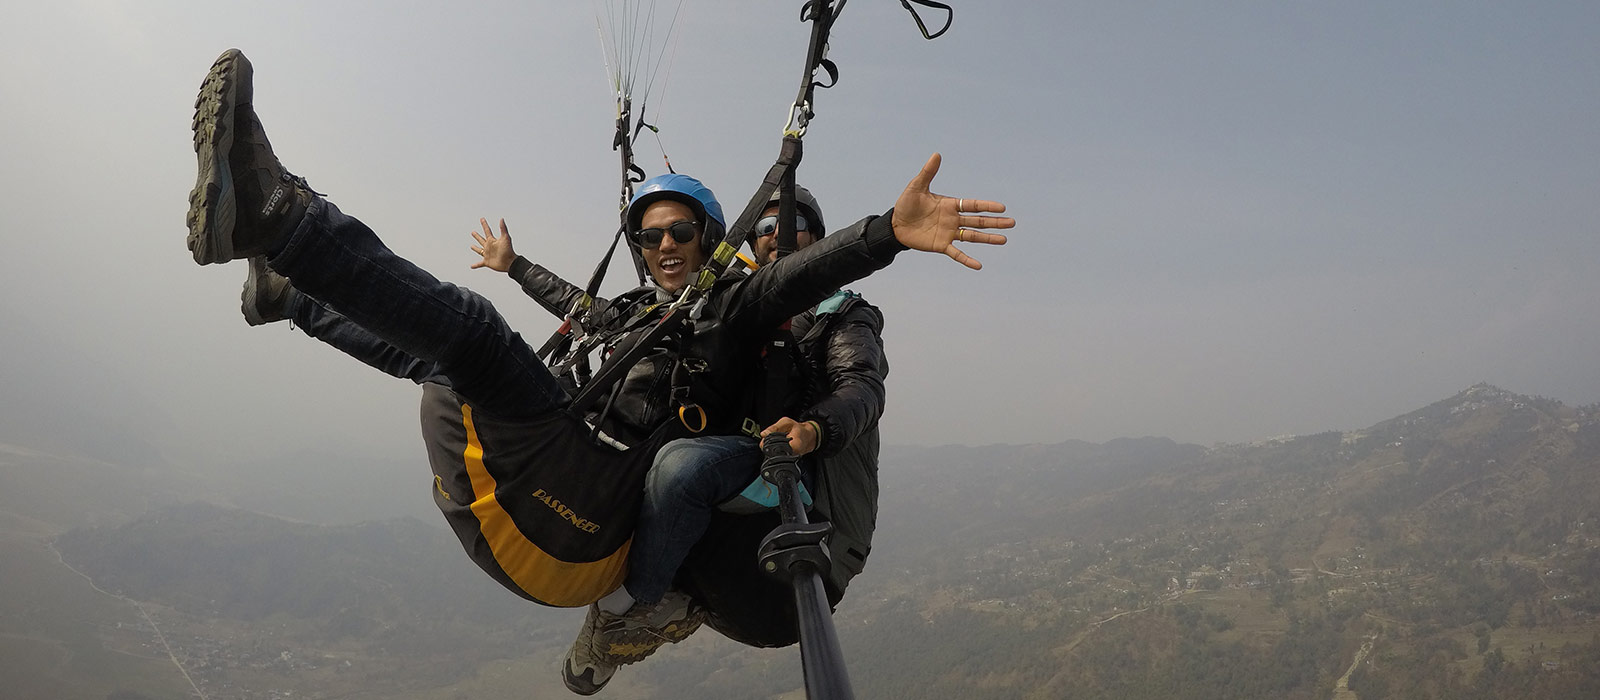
(921, 220)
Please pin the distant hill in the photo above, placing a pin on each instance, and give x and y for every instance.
(208, 560)
(1475, 518)
(983, 493)
(1450, 552)
(390, 593)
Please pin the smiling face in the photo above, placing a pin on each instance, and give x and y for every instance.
(766, 247)
(671, 263)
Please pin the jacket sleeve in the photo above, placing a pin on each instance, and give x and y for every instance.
(556, 295)
(783, 289)
(855, 367)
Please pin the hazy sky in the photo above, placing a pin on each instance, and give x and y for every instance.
(1236, 219)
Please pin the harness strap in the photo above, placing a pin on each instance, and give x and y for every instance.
(622, 143)
(559, 343)
(787, 242)
(723, 255)
(617, 366)
(821, 14)
(780, 360)
(561, 340)
(949, 16)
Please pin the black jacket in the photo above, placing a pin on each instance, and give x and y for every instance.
(842, 341)
(719, 358)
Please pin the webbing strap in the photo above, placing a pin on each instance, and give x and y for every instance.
(949, 16)
(560, 340)
(617, 366)
(821, 14)
(780, 357)
(632, 174)
(787, 242)
(780, 172)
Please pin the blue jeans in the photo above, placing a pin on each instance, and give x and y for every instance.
(427, 327)
(687, 481)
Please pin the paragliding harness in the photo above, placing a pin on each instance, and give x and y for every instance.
(563, 541)
(793, 551)
(545, 547)
(779, 178)
(576, 365)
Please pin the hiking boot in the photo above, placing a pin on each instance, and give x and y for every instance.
(584, 671)
(266, 294)
(638, 633)
(608, 641)
(243, 202)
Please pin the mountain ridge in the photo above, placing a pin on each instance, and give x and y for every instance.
(1133, 568)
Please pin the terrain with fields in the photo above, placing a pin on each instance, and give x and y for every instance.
(1450, 552)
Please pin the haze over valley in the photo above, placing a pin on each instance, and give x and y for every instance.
(1450, 552)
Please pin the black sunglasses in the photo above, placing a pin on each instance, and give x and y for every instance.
(768, 225)
(682, 232)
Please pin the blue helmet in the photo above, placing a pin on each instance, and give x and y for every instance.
(687, 190)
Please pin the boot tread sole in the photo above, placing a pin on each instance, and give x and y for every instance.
(212, 203)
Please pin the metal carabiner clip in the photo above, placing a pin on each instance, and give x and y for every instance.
(799, 118)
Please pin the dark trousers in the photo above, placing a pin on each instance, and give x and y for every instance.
(446, 330)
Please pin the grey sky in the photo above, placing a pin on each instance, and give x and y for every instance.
(1236, 219)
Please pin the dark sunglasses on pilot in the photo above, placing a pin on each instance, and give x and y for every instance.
(768, 225)
(682, 232)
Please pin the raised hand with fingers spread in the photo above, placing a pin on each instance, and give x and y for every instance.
(496, 250)
(934, 223)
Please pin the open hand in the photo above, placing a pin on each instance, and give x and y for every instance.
(935, 223)
(496, 251)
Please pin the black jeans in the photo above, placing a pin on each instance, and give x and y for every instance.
(408, 323)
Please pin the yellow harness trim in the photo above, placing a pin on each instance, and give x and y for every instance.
(546, 578)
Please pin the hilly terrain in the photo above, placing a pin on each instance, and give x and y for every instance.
(1452, 552)
(1455, 550)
